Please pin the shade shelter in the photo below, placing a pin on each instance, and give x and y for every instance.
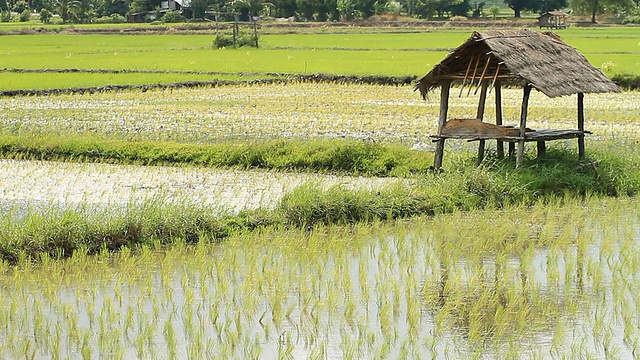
(527, 58)
(553, 20)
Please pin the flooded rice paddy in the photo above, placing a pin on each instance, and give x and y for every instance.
(550, 281)
(558, 280)
(41, 184)
(385, 113)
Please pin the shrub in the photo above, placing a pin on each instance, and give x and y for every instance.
(25, 15)
(45, 16)
(5, 16)
(20, 6)
(223, 41)
(111, 19)
(458, 18)
(494, 10)
(173, 17)
(631, 20)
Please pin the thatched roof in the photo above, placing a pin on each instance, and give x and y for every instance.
(556, 13)
(541, 59)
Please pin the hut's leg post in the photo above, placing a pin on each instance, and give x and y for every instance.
(480, 115)
(581, 125)
(542, 148)
(499, 144)
(481, 145)
(437, 160)
(512, 149)
(523, 124)
(520, 153)
(444, 107)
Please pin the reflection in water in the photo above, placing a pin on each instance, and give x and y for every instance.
(492, 284)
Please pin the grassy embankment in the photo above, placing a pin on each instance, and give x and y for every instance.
(463, 187)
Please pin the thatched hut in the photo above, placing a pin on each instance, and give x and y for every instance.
(553, 20)
(528, 58)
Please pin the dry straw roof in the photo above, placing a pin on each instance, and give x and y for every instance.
(541, 59)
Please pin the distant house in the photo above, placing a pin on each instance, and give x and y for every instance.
(553, 20)
(171, 5)
(165, 5)
(137, 17)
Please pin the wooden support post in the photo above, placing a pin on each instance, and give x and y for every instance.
(445, 85)
(217, 26)
(481, 146)
(235, 33)
(466, 75)
(482, 100)
(475, 70)
(581, 125)
(480, 115)
(542, 148)
(512, 149)
(523, 124)
(499, 144)
(255, 31)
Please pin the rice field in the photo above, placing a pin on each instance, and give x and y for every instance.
(38, 184)
(554, 280)
(347, 51)
(258, 112)
(549, 281)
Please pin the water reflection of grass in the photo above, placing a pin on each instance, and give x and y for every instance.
(515, 286)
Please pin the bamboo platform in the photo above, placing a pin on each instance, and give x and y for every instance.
(533, 135)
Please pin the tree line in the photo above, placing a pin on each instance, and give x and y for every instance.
(87, 11)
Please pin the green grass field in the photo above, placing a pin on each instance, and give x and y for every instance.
(387, 54)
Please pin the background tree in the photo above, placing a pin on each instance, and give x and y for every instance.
(494, 10)
(65, 8)
(4, 6)
(332, 9)
(25, 15)
(443, 6)
(138, 6)
(424, 9)
(478, 9)
(35, 4)
(366, 8)
(199, 8)
(284, 8)
(347, 9)
(595, 7)
(108, 7)
(534, 5)
(84, 12)
(307, 8)
(460, 9)
(20, 6)
(518, 6)
(247, 8)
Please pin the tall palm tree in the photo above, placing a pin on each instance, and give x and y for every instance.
(66, 7)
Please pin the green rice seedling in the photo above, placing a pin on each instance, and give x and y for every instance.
(298, 265)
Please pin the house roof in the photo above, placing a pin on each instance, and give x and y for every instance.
(556, 13)
(541, 59)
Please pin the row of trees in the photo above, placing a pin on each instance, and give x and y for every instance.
(77, 11)
(83, 11)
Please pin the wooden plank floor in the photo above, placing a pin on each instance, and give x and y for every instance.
(536, 135)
